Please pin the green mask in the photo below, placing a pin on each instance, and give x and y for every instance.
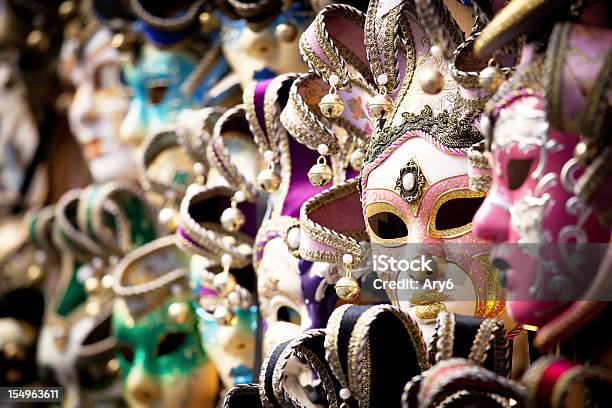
(160, 356)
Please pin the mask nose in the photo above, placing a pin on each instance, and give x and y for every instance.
(491, 222)
(263, 47)
(133, 130)
(141, 386)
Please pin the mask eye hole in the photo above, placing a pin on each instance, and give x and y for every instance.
(157, 93)
(126, 351)
(457, 213)
(387, 225)
(518, 170)
(171, 342)
(107, 76)
(288, 314)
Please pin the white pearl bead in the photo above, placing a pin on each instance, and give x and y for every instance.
(382, 79)
(198, 168)
(293, 238)
(97, 262)
(269, 155)
(436, 51)
(334, 80)
(239, 196)
(347, 258)
(408, 181)
(234, 298)
(322, 149)
(226, 260)
(345, 393)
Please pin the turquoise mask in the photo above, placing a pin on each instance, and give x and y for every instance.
(227, 323)
(157, 79)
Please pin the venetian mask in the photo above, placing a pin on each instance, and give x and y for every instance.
(295, 295)
(227, 323)
(157, 79)
(18, 137)
(262, 53)
(160, 356)
(545, 233)
(99, 105)
(415, 194)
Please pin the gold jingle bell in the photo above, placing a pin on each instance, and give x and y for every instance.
(286, 32)
(168, 217)
(332, 105)
(347, 287)
(381, 105)
(267, 179)
(232, 219)
(431, 80)
(320, 174)
(178, 312)
(490, 78)
(224, 282)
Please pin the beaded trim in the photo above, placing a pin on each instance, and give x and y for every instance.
(115, 198)
(209, 239)
(153, 147)
(240, 389)
(341, 243)
(194, 129)
(533, 378)
(168, 278)
(183, 21)
(331, 344)
(358, 355)
(315, 131)
(436, 19)
(65, 233)
(247, 9)
(298, 347)
(338, 54)
(219, 156)
(442, 381)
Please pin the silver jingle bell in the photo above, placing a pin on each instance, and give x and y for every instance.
(431, 80)
(331, 105)
(320, 174)
(490, 78)
(357, 158)
(381, 105)
(347, 288)
(232, 219)
(268, 180)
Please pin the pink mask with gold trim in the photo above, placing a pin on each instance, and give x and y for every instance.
(540, 202)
